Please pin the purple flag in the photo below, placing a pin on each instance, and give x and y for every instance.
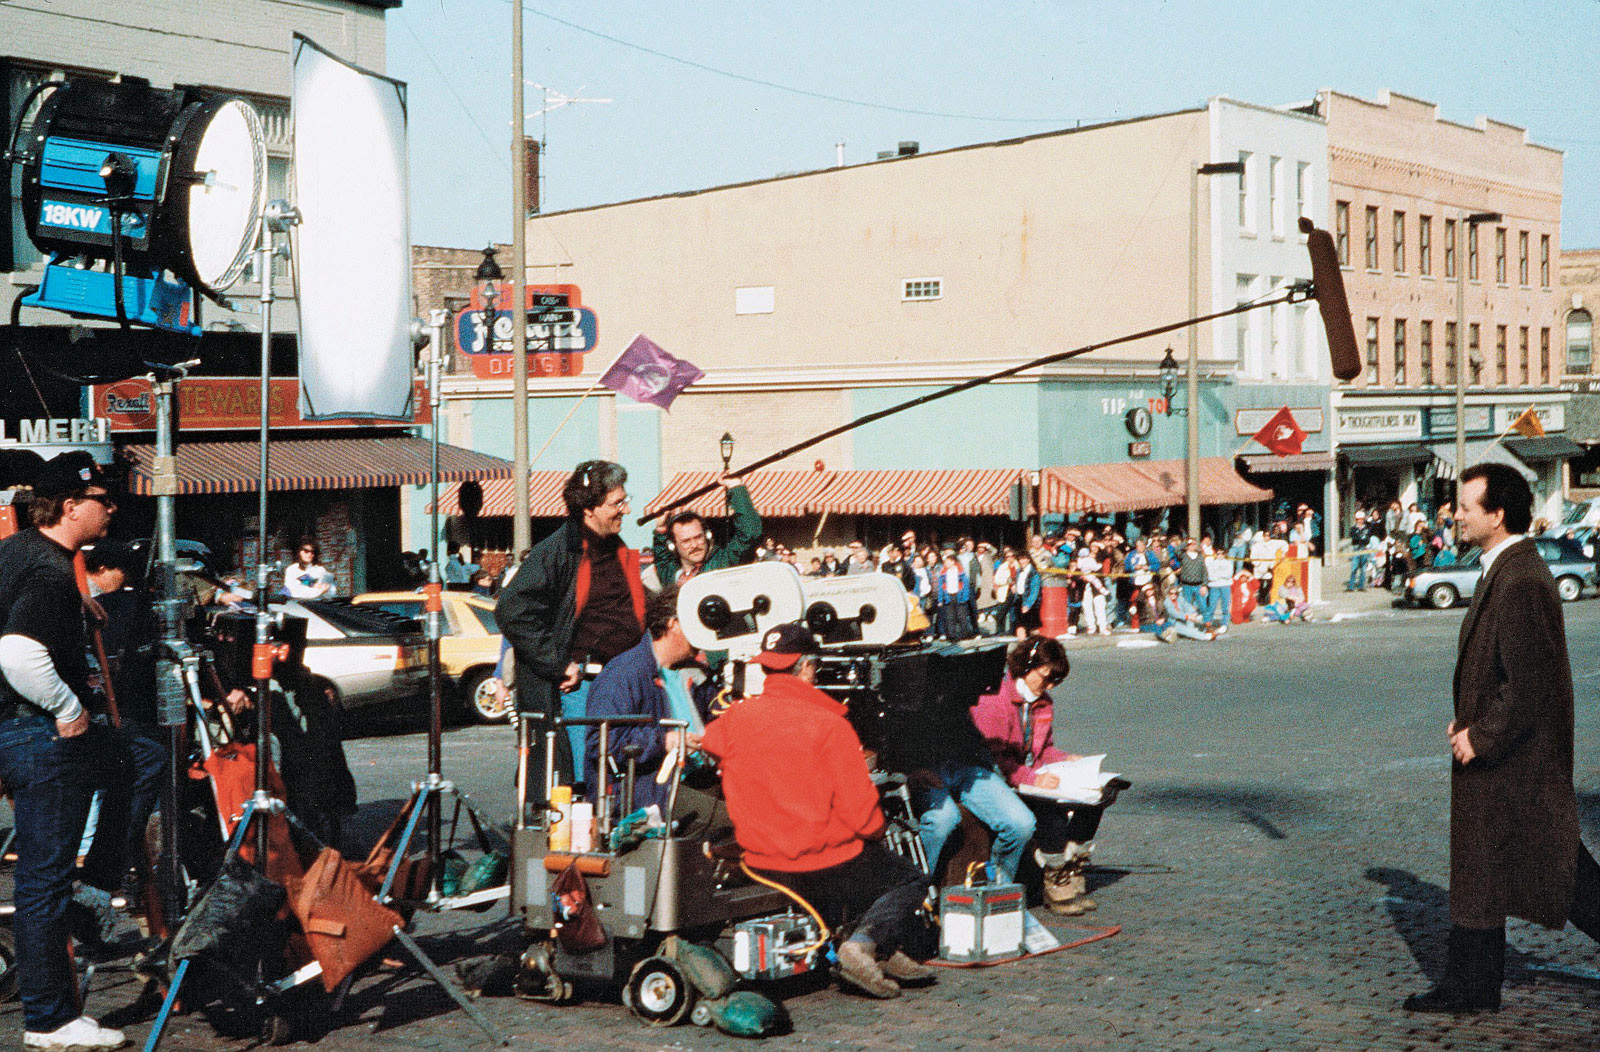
(646, 373)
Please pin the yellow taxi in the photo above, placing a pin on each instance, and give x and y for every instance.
(468, 649)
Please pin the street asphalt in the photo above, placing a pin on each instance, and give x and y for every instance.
(1279, 870)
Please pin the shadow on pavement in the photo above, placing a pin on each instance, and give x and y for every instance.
(1420, 913)
(1258, 806)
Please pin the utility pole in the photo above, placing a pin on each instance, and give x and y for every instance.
(521, 529)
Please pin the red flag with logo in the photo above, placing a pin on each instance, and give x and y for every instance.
(1281, 434)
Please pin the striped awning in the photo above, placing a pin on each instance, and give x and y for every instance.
(777, 494)
(544, 496)
(311, 464)
(1141, 486)
(948, 492)
(1483, 451)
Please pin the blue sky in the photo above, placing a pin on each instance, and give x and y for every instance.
(689, 110)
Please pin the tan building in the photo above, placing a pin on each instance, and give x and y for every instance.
(813, 299)
(1580, 301)
(1403, 185)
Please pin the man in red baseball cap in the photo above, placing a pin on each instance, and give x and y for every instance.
(806, 813)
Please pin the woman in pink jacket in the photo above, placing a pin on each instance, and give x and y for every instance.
(1018, 724)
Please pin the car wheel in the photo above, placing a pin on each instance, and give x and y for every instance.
(1443, 596)
(478, 689)
(1569, 588)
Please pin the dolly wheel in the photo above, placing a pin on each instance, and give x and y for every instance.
(701, 1016)
(658, 992)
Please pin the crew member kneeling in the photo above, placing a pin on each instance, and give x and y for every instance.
(806, 813)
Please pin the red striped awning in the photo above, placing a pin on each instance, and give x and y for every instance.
(1141, 486)
(949, 492)
(777, 494)
(311, 464)
(544, 496)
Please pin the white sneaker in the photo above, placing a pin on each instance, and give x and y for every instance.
(81, 1035)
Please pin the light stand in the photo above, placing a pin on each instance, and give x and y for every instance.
(279, 218)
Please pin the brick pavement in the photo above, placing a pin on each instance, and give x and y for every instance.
(1279, 867)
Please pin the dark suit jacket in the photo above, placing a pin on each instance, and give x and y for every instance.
(1513, 813)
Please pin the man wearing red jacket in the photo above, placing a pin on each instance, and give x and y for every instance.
(806, 813)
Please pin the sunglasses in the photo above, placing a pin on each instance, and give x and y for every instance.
(105, 500)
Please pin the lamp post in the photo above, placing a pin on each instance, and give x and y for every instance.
(726, 445)
(1169, 379)
(1469, 225)
(1191, 475)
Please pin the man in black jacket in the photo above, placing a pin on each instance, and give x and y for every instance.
(1514, 847)
(576, 602)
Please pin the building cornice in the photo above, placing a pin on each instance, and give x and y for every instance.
(1417, 170)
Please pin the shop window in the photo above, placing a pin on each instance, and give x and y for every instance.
(1580, 342)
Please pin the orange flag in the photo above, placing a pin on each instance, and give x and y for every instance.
(1528, 424)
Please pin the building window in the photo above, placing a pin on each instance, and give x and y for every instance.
(1399, 242)
(1450, 353)
(1522, 258)
(1372, 350)
(1372, 237)
(1247, 203)
(1499, 354)
(1425, 245)
(1449, 248)
(916, 289)
(1544, 261)
(1544, 357)
(1522, 347)
(1302, 190)
(1474, 355)
(1244, 292)
(1341, 231)
(1305, 342)
(1580, 341)
(1275, 195)
(1425, 338)
(1472, 252)
(755, 299)
(1399, 352)
(1500, 254)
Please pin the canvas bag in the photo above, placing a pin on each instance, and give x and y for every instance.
(342, 922)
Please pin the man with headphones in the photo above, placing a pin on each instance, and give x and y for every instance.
(683, 546)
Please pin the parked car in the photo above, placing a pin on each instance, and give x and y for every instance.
(363, 658)
(468, 650)
(1444, 586)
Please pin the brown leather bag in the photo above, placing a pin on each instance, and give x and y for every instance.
(414, 879)
(343, 923)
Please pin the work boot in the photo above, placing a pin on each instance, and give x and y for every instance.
(858, 967)
(1059, 896)
(1079, 868)
(1474, 970)
(906, 971)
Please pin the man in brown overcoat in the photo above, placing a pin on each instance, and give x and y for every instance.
(1514, 847)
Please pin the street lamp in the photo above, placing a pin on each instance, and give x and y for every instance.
(1169, 379)
(487, 277)
(1468, 223)
(1192, 466)
(726, 444)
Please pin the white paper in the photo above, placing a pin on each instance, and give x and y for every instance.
(1082, 780)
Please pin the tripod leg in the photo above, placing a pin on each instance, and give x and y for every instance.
(450, 988)
(160, 1025)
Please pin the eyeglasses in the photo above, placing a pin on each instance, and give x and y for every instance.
(620, 502)
(103, 499)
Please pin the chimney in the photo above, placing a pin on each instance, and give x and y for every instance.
(909, 148)
(530, 174)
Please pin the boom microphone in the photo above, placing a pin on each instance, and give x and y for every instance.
(1328, 287)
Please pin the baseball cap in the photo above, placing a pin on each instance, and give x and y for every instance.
(68, 473)
(784, 645)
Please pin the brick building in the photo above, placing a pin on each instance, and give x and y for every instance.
(1403, 183)
(1579, 302)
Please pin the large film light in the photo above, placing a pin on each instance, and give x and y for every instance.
(353, 249)
(141, 181)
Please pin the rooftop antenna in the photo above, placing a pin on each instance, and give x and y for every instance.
(553, 100)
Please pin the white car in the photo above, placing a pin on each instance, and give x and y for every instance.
(361, 657)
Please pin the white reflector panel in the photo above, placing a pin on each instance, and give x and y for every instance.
(225, 208)
(353, 248)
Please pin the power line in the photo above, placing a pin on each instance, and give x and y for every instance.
(466, 110)
(790, 88)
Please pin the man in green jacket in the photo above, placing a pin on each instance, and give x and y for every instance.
(683, 547)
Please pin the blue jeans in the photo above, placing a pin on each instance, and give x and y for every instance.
(1221, 605)
(575, 705)
(1184, 629)
(1195, 596)
(52, 780)
(985, 793)
(1359, 562)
